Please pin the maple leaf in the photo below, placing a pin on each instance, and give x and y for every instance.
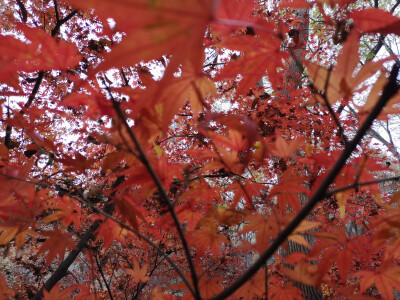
(244, 191)
(57, 294)
(207, 237)
(159, 28)
(288, 189)
(157, 294)
(265, 228)
(210, 287)
(44, 52)
(259, 54)
(386, 279)
(96, 104)
(138, 273)
(79, 163)
(375, 20)
(5, 291)
(85, 292)
(56, 243)
(65, 208)
(295, 4)
(8, 233)
(340, 249)
(392, 107)
(109, 232)
(15, 181)
(130, 211)
(342, 80)
(305, 272)
(188, 216)
(49, 52)
(171, 93)
(286, 291)
(286, 149)
(255, 287)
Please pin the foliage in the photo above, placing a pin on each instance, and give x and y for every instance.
(198, 149)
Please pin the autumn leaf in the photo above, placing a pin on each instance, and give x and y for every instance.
(385, 279)
(288, 189)
(138, 273)
(286, 149)
(109, 232)
(172, 93)
(51, 53)
(305, 273)
(255, 287)
(342, 80)
(8, 233)
(15, 181)
(207, 237)
(295, 4)
(55, 245)
(159, 28)
(64, 208)
(130, 211)
(266, 228)
(210, 287)
(260, 54)
(285, 292)
(43, 52)
(375, 20)
(78, 164)
(57, 294)
(5, 291)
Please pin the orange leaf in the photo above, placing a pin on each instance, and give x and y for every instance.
(154, 28)
(57, 294)
(56, 243)
(138, 273)
(286, 149)
(386, 279)
(342, 82)
(265, 228)
(4, 290)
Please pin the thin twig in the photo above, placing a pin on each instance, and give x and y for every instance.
(102, 276)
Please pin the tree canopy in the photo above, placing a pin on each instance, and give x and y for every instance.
(199, 149)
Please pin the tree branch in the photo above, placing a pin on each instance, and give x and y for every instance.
(22, 8)
(39, 79)
(390, 90)
(62, 269)
(360, 184)
(167, 200)
(102, 276)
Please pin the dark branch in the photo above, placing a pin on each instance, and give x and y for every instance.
(61, 22)
(62, 269)
(22, 8)
(99, 267)
(390, 90)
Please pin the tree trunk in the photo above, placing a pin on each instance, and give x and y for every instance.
(294, 81)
